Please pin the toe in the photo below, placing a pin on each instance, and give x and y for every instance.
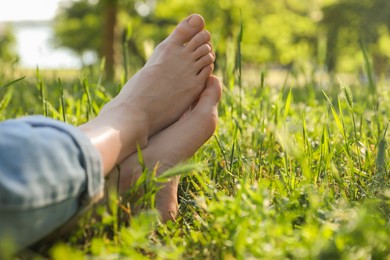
(205, 72)
(198, 40)
(166, 200)
(205, 60)
(202, 120)
(211, 95)
(202, 50)
(187, 29)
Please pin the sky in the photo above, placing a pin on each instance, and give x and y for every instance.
(33, 43)
(27, 10)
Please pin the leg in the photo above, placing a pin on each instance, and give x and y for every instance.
(49, 171)
(174, 145)
(156, 96)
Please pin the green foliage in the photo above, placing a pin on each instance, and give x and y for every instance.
(293, 171)
(7, 42)
(281, 32)
(281, 178)
(347, 23)
(78, 26)
(275, 31)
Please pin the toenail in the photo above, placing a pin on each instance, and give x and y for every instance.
(194, 21)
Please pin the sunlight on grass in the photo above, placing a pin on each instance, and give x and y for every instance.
(295, 171)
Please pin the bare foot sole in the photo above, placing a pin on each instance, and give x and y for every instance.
(174, 145)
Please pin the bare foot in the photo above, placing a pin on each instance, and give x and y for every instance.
(174, 145)
(173, 77)
(157, 95)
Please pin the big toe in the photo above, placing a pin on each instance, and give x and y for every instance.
(187, 29)
(209, 98)
(199, 124)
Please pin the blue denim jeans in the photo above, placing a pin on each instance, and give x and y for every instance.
(49, 171)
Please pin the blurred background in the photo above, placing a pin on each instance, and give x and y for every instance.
(280, 34)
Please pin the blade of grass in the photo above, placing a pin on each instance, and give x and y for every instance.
(41, 88)
(381, 156)
(12, 82)
(368, 66)
(288, 104)
(335, 116)
(85, 85)
(239, 63)
(62, 102)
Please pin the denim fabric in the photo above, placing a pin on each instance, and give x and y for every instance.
(49, 171)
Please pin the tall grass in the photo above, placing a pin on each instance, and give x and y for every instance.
(293, 171)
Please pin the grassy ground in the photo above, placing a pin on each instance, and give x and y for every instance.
(300, 170)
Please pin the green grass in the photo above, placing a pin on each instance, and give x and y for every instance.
(294, 171)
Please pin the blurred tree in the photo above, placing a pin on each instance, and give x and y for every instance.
(348, 23)
(92, 25)
(78, 27)
(275, 31)
(110, 11)
(87, 26)
(278, 31)
(7, 44)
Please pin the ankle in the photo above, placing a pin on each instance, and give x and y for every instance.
(115, 136)
(132, 127)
